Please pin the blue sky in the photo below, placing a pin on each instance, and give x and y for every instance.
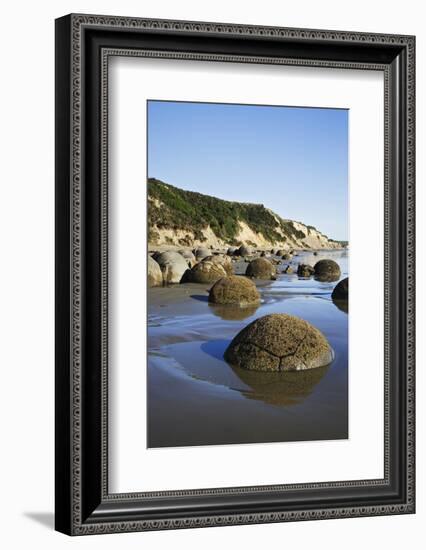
(292, 160)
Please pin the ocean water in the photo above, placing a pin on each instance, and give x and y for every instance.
(196, 398)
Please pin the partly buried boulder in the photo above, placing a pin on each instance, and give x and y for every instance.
(155, 275)
(279, 343)
(261, 268)
(327, 270)
(201, 252)
(206, 272)
(221, 259)
(286, 256)
(305, 270)
(189, 256)
(234, 290)
(288, 270)
(279, 252)
(231, 250)
(173, 266)
(243, 251)
(341, 290)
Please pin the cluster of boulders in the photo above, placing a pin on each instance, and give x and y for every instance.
(198, 266)
(324, 270)
(205, 266)
(272, 343)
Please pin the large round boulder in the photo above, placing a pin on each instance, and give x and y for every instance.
(189, 256)
(173, 265)
(278, 343)
(243, 251)
(221, 259)
(341, 290)
(155, 275)
(327, 270)
(234, 290)
(305, 270)
(261, 268)
(201, 252)
(206, 272)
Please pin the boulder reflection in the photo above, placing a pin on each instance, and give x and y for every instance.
(233, 313)
(280, 388)
(327, 278)
(342, 305)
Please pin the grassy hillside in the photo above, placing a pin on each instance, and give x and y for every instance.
(174, 208)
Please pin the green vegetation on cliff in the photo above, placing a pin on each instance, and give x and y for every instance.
(172, 208)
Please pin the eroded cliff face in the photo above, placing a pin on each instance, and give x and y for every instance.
(181, 218)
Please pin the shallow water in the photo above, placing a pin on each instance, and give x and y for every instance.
(196, 398)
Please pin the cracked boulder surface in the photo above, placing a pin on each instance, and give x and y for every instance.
(279, 343)
(234, 290)
(223, 260)
(261, 268)
(327, 270)
(206, 272)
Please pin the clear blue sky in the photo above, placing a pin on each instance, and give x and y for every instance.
(292, 160)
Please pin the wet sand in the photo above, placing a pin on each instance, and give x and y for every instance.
(196, 398)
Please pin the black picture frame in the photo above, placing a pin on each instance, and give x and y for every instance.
(83, 45)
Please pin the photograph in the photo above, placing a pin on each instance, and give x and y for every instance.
(247, 273)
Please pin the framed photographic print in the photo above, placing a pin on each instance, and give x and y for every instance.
(216, 187)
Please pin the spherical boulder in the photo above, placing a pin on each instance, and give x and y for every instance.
(327, 270)
(206, 272)
(305, 270)
(155, 275)
(173, 266)
(341, 290)
(244, 251)
(189, 256)
(201, 252)
(261, 268)
(234, 290)
(221, 259)
(279, 343)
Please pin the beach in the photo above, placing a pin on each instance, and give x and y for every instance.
(196, 398)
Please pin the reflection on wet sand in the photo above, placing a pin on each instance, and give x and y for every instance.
(280, 388)
(233, 313)
(326, 278)
(342, 305)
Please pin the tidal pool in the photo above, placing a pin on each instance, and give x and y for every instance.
(196, 398)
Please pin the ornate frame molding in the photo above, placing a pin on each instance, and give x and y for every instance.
(72, 45)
